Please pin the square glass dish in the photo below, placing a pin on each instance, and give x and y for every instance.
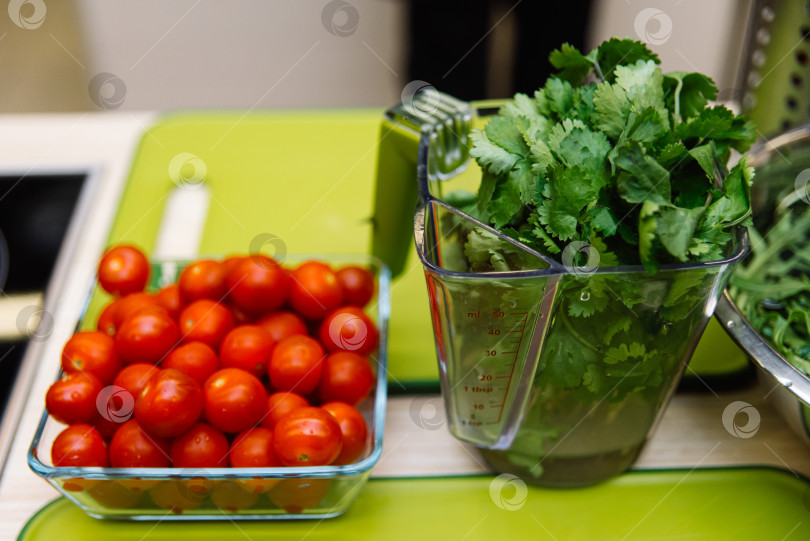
(226, 493)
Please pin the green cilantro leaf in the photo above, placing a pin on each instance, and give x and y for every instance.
(573, 65)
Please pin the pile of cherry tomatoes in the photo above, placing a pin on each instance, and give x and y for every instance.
(240, 363)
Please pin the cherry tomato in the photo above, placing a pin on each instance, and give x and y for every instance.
(93, 352)
(197, 359)
(353, 428)
(307, 437)
(132, 447)
(230, 496)
(129, 305)
(203, 279)
(206, 321)
(72, 398)
(235, 400)
(170, 404)
(113, 495)
(349, 328)
(297, 495)
(357, 285)
(146, 337)
(107, 424)
(314, 290)
(231, 262)
(258, 284)
(296, 364)
(79, 445)
(253, 448)
(247, 347)
(280, 404)
(134, 377)
(169, 298)
(176, 496)
(123, 269)
(202, 446)
(282, 324)
(240, 317)
(346, 377)
(106, 319)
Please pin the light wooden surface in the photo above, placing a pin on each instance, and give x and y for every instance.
(416, 441)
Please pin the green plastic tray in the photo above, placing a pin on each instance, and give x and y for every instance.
(709, 504)
(306, 177)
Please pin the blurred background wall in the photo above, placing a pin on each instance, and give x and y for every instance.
(70, 55)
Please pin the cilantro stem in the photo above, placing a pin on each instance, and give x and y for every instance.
(598, 70)
(677, 112)
(574, 332)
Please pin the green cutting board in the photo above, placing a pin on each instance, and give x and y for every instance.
(306, 177)
(715, 504)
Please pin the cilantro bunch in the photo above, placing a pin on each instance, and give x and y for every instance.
(617, 154)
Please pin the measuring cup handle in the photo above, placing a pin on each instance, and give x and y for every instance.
(440, 122)
(395, 195)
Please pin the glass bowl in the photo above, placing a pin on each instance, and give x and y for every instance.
(225, 493)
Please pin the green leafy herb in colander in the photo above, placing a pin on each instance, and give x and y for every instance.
(773, 288)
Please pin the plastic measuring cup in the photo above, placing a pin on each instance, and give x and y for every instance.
(556, 371)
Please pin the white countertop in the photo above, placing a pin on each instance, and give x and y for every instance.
(691, 433)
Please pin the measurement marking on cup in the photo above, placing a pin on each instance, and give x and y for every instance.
(511, 365)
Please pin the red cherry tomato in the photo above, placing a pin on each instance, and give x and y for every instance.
(106, 319)
(253, 448)
(353, 429)
(240, 317)
(357, 285)
(307, 437)
(231, 262)
(134, 377)
(170, 404)
(123, 269)
(72, 398)
(349, 328)
(146, 337)
(206, 321)
(280, 404)
(258, 284)
(296, 364)
(247, 347)
(93, 352)
(235, 400)
(129, 305)
(196, 359)
(108, 424)
(203, 279)
(347, 377)
(282, 324)
(202, 446)
(79, 445)
(314, 290)
(297, 495)
(132, 447)
(169, 298)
